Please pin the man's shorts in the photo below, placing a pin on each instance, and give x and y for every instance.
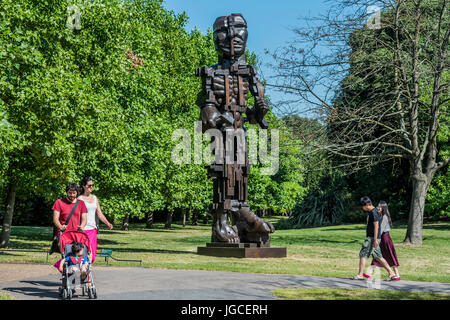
(368, 250)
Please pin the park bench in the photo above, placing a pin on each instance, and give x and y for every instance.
(107, 253)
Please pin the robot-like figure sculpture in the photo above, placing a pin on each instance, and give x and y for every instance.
(223, 102)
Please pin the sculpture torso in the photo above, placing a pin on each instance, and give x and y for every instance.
(227, 88)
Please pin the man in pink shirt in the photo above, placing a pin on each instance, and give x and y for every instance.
(61, 211)
(63, 207)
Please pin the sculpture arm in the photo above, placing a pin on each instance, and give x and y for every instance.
(257, 113)
(206, 100)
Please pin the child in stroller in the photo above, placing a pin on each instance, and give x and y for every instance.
(76, 261)
(75, 251)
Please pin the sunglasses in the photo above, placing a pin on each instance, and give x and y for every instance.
(89, 185)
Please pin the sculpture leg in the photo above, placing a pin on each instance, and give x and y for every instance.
(251, 228)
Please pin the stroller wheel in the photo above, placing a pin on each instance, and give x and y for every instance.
(92, 292)
(64, 294)
(70, 294)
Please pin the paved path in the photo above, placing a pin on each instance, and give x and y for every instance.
(126, 283)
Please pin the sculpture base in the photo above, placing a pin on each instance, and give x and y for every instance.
(241, 250)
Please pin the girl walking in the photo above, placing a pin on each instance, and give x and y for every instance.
(93, 213)
(386, 244)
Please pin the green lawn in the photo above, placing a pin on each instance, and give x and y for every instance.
(5, 296)
(355, 294)
(326, 251)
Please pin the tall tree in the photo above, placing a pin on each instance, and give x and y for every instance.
(380, 82)
(98, 99)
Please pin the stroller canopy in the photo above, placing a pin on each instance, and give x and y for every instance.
(68, 237)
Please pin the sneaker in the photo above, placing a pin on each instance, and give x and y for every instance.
(393, 279)
(367, 276)
(357, 277)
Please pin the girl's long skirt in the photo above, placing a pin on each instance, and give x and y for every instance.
(388, 252)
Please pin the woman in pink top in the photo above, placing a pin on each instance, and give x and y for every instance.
(93, 213)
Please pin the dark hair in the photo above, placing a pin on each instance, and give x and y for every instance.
(365, 200)
(84, 182)
(72, 186)
(76, 247)
(385, 211)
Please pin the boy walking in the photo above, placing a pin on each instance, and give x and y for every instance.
(370, 246)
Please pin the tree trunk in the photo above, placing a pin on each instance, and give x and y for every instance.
(169, 219)
(416, 211)
(184, 217)
(194, 217)
(7, 219)
(149, 220)
(125, 221)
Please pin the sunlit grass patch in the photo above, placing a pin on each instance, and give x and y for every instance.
(5, 296)
(355, 294)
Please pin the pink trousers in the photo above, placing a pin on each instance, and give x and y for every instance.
(92, 235)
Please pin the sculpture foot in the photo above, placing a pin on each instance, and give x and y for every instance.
(222, 232)
(252, 228)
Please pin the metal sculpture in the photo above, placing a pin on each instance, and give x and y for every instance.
(223, 102)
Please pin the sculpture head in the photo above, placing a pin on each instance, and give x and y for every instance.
(230, 35)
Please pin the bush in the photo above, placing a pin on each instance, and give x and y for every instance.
(438, 203)
(321, 207)
(354, 215)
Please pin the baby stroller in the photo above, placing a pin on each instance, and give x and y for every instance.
(68, 287)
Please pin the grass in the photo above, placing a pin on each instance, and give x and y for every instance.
(355, 294)
(5, 296)
(326, 251)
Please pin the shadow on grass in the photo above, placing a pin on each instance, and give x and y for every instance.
(352, 227)
(175, 226)
(309, 240)
(29, 246)
(200, 240)
(101, 242)
(10, 254)
(140, 250)
(445, 227)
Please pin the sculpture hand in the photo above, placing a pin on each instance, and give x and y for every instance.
(260, 110)
(209, 115)
(261, 107)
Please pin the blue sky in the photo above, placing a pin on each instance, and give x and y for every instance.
(269, 22)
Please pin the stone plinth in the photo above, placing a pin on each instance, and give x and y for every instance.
(241, 250)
